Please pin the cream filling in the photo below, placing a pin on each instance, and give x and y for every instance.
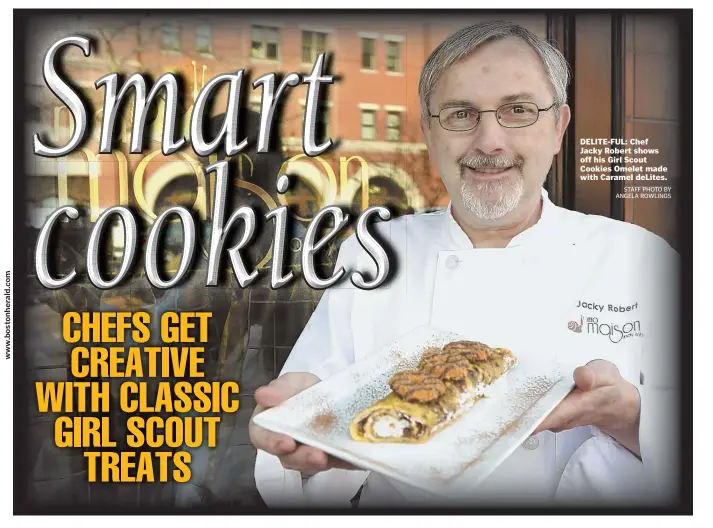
(390, 427)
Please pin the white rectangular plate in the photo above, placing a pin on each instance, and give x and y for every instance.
(457, 458)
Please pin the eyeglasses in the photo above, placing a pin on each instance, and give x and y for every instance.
(509, 115)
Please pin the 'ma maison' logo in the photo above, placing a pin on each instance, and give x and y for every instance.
(615, 332)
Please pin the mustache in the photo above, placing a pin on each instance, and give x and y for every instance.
(484, 161)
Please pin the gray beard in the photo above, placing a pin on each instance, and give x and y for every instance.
(491, 200)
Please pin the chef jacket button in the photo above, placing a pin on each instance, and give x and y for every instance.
(531, 443)
(452, 262)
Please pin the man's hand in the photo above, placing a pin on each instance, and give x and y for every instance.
(308, 460)
(602, 398)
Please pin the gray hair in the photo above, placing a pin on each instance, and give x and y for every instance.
(461, 44)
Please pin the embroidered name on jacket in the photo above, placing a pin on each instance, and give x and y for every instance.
(618, 308)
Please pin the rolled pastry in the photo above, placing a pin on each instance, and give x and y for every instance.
(445, 385)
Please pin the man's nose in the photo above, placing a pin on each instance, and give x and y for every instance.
(489, 136)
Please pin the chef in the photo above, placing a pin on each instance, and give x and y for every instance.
(504, 266)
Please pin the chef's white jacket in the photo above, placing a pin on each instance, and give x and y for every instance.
(555, 293)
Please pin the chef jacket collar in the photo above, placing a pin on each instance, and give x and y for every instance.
(542, 228)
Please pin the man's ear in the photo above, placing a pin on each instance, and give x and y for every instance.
(562, 123)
